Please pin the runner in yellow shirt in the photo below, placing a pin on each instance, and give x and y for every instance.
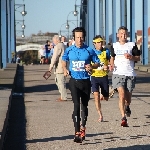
(99, 77)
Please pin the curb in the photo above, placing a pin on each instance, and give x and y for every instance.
(143, 68)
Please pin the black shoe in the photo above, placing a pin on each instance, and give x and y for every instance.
(77, 137)
(128, 111)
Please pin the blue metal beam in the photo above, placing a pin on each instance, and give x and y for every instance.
(9, 31)
(122, 12)
(113, 21)
(132, 20)
(12, 42)
(107, 20)
(13, 46)
(4, 33)
(87, 24)
(1, 64)
(145, 33)
(101, 18)
(91, 22)
(97, 17)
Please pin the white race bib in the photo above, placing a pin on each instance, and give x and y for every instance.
(78, 65)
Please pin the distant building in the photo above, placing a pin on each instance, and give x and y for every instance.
(40, 38)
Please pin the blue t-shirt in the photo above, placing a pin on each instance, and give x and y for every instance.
(51, 52)
(78, 58)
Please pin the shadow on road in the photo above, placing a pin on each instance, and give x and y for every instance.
(42, 88)
(135, 147)
(16, 129)
(68, 137)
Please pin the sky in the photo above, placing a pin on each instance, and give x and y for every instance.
(51, 15)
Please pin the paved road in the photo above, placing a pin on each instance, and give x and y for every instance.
(49, 125)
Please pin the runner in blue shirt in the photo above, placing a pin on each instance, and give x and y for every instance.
(80, 57)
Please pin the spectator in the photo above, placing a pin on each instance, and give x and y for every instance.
(47, 51)
(60, 79)
(18, 59)
(42, 55)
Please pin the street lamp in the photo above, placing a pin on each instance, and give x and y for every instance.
(82, 7)
(75, 13)
(60, 29)
(18, 22)
(23, 12)
(18, 31)
(67, 26)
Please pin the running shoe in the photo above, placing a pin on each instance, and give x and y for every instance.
(128, 111)
(77, 137)
(124, 122)
(82, 130)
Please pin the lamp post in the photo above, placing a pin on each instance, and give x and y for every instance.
(82, 6)
(18, 22)
(60, 29)
(67, 26)
(64, 31)
(23, 12)
(75, 13)
(18, 31)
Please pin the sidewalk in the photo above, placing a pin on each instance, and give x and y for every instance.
(140, 67)
(7, 80)
(50, 127)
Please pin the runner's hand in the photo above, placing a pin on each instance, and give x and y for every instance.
(105, 67)
(111, 67)
(128, 56)
(88, 67)
(66, 73)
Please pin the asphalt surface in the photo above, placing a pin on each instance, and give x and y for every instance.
(49, 124)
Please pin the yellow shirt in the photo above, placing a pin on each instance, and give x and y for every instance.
(99, 72)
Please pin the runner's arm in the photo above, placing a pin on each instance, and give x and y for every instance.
(112, 54)
(95, 60)
(65, 59)
(135, 54)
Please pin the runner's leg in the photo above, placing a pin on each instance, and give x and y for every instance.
(75, 93)
(95, 90)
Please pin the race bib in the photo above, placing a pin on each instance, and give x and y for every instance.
(121, 52)
(78, 65)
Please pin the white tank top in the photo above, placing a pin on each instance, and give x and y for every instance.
(42, 52)
(123, 66)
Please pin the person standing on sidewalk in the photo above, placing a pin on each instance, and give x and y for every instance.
(99, 76)
(47, 51)
(80, 57)
(56, 61)
(42, 55)
(123, 56)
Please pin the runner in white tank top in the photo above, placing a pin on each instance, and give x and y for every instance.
(123, 56)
